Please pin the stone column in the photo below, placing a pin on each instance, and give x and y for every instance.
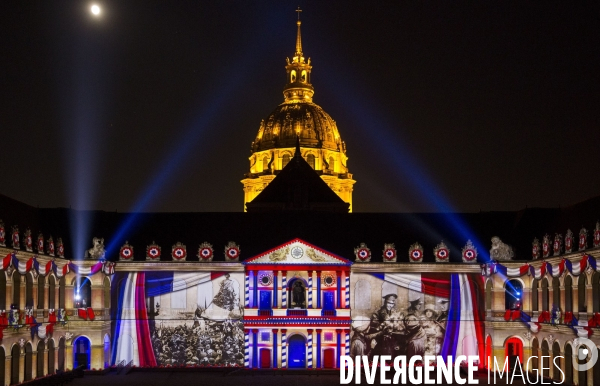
(309, 347)
(275, 343)
(339, 290)
(275, 290)
(247, 348)
(347, 342)
(347, 289)
(318, 289)
(339, 347)
(283, 349)
(255, 289)
(247, 289)
(255, 348)
(21, 360)
(310, 289)
(283, 290)
(318, 364)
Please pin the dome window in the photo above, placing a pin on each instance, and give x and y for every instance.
(293, 76)
(303, 76)
(265, 163)
(311, 160)
(285, 160)
(332, 164)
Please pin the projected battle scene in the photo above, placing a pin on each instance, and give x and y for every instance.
(191, 319)
(408, 314)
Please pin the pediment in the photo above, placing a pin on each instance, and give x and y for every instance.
(298, 252)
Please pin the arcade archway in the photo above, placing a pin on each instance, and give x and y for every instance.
(297, 352)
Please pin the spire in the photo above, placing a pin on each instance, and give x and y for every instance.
(299, 36)
(298, 70)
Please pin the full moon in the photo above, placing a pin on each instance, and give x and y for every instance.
(95, 10)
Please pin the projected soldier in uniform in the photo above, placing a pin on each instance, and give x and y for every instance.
(381, 328)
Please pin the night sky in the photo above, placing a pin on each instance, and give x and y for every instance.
(443, 105)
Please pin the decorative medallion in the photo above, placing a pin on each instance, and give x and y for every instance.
(265, 279)
(205, 252)
(232, 251)
(60, 248)
(126, 252)
(297, 252)
(583, 234)
(15, 237)
(153, 251)
(40, 244)
(597, 235)
(50, 246)
(469, 252)
(28, 240)
(442, 253)
(362, 253)
(569, 241)
(415, 253)
(389, 253)
(546, 246)
(328, 279)
(178, 251)
(557, 245)
(2, 235)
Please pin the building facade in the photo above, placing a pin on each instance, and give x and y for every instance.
(309, 292)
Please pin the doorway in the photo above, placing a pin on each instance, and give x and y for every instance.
(81, 352)
(297, 352)
(329, 358)
(265, 358)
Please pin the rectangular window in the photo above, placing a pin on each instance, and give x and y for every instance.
(328, 337)
(265, 336)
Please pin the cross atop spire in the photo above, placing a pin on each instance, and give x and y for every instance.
(298, 10)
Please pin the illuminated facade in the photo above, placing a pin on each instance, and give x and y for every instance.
(298, 117)
(307, 288)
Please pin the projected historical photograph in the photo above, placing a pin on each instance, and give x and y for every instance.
(407, 314)
(192, 319)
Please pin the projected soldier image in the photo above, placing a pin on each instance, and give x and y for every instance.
(409, 317)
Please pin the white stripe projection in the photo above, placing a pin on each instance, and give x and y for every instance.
(412, 281)
(185, 280)
(347, 348)
(310, 291)
(310, 350)
(247, 290)
(283, 351)
(283, 291)
(247, 348)
(467, 336)
(128, 343)
(347, 290)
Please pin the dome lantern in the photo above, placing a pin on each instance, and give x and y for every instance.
(298, 87)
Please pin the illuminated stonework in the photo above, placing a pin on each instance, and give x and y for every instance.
(320, 141)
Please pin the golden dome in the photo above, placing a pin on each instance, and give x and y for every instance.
(306, 120)
(298, 117)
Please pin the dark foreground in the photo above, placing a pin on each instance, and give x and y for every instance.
(242, 377)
